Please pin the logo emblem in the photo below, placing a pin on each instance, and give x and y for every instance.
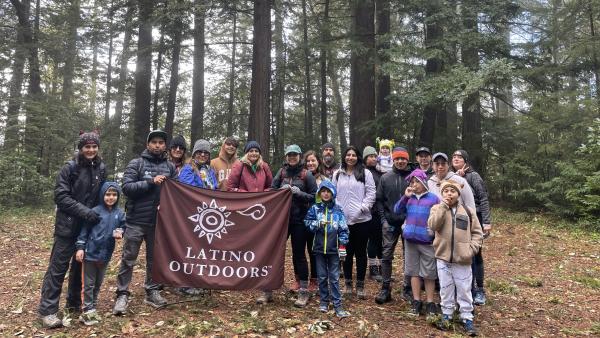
(211, 221)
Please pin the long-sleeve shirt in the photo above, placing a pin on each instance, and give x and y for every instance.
(354, 197)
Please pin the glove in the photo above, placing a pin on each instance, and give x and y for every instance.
(92, 217)
(295, 190)
(342, 251)
(285, 186)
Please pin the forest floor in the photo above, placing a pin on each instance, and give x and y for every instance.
(542, 280)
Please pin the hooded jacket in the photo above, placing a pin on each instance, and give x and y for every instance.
(97, 239)
(75, 193)
(480, 194)
(458, 234)
(326, 220)
(308, 188)
(466, 194)
(191, 176)
(416, 208)
(391, 188)
(354, 197)
(246, 179)
(143, 196)
(223, 165)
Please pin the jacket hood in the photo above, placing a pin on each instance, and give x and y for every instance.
(147, 154)
(223, 155)
(105, 188)
(329, 186)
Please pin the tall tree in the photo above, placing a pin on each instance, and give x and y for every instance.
(278, 93)
(362, 82)
(159, 66)
(340, 112)
(109, 67)
(11, 137)
(325, 37)
(174, 80)
(383, 78)
(73, 23)
(197, 124)
(258, 124)
(308, 115)
(230, 106)
(143, 72)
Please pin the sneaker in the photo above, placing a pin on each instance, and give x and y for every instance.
(431, 309)
(89, 318)
(324, 308)
(348, 290)
(51, 321)
(341, 313)
(479, 296)
(415, 309)
(469, 328)
(154, 299)
(383, 296)
(265, 297)
(120, 305)
(444, 323)
(303, 297)
(360, 292)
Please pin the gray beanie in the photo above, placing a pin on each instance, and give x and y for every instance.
(201, 145)
(369, 151)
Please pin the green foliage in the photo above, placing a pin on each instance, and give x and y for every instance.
(20, 182)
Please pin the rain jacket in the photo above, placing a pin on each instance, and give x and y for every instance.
(246, 179)
(97, 239)
(191, 176)
(303, 179)
(326, 220)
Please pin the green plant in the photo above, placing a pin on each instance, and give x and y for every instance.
(500, 286)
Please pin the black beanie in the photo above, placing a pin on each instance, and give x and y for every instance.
(178, 141)
(88, 138)
(463, 154)
(327, 145)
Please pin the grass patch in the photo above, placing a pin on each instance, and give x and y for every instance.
(512, 251)
(595, 328)
(589, 281)
(499, 286)
(555, 300)
(530, 281)
(250, 322)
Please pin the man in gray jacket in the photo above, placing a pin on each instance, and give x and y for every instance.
(442, 172)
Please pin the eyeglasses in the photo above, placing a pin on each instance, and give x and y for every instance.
(231, 144)
(202, 153)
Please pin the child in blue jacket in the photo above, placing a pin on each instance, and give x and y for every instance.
(95, 246)
(326, 220)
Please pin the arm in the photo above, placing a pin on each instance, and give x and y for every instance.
(481, 195)
(187, 175)
(310, 220)
(233, 181)
(122, 219)
(63, 195)
(400, 206)
(380, 200)
(311, 188)
(437, 216)
(466, 195)
(476, 233)
(83, 237)
(370, 192)
(276, 183)
(132, 186)
(343, 232)
(269, 177)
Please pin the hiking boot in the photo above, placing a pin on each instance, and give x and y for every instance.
(89, 318)
(154, 299)
(383, 296)
(373, 272)
(348, 290)
(431, 309)
(444, 323)
(469, 328)
(479, 296)
(341, 313)
(407, 294)
(265, 297)
(120, 305)
(360, 292)
(51, 321)
(303, 297)
(415, 309)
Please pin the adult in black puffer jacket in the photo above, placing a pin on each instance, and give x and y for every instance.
(304, 187)
(142, 180)
(75, 194)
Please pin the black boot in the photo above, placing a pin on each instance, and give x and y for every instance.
(384, 294)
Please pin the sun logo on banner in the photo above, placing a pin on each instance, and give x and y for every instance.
(211, 221)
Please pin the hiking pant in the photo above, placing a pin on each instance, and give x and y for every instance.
(455, 278)
(93, 275)
(390, 240)
(477, 265)
(63, 252)
(357, 247)
(329, 275)
(134, 235)
(302, 240)
(375, 246)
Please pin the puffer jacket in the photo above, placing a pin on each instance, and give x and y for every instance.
(243, 178)
(416, 208)
(143, 196)
(75, 193)
(391, 188)
(326, 220)
(480, 194)
(97, 239)
(308, 188)
(354, 197)
(189, 176)
(458, 236)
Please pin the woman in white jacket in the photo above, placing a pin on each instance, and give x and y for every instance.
(355, 195)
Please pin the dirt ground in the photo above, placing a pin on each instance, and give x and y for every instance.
(540, 282)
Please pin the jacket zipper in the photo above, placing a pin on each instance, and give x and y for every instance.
(325, 246)
(452, 243)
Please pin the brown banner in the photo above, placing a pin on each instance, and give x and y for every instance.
(220, 240)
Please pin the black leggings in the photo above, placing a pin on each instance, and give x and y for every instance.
(357, 247)
(302, 240)
(374, 248)
(477, 265)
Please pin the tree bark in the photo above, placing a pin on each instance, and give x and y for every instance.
(11, 136)
(340, 112)
(325, 37)
(258, 125)
(198, 74)
(383, 79)
(174, 80)
(159, 63)
(143, 72)
(362, 83)
(308, 116)
(278, 94)
(230, 107)
(109, 70)
(94, 72)
(70, 52)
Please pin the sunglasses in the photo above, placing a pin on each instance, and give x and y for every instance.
(178, 148)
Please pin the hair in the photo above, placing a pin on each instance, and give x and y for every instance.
(319, 160)
(112, 189)
(359, 168)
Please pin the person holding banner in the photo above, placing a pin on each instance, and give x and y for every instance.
(142, 180)
(250, 173)
(302, 184)
(356, 195)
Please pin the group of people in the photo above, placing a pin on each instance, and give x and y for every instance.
(357, 210)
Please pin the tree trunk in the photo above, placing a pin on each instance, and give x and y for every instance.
(258, 125)
(159, 62)
(109, 70)
(70, 52)
(198, 75)
(278, 94)
(230, 108)
(11, 136)
(143, 72)
(505, 99)
(383, 79)
(174, 81)
(308, 116)
(595, 63)
(340, 114)
(362, 83)
(94, 72)
(325, 34)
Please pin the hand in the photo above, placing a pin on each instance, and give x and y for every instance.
(295, 190)
(118, 233)
(285, 186)
(364, 208)
(323, 224)
(487, 229)
(447, 201)
(92, 217)
(79, 256)
(159, 179)
(408, 192)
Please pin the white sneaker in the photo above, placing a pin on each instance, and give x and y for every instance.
(51, 321)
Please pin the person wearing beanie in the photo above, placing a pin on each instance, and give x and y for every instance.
(223, 163)
(461, 166)
(442, 172)
(302, 184)
(252, 145)
(423, 156)
(419, 256)
(76, 192)
(391, 188)
(374, 249)
(328, 156)
(384, 159)
(458, 236)
(250, 173)
(177, 149)
(198, 172)
(142, 180)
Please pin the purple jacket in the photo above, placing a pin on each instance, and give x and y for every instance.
(415, 228)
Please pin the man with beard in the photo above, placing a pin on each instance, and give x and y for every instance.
(329, 163)
(142, 180)
(223, 163)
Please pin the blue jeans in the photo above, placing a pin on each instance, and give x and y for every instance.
(328, 273)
